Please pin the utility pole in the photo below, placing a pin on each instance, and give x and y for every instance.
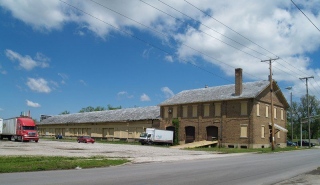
(290, 88)
(306, 78)
(271, 97)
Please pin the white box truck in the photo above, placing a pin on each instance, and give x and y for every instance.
(156, 136)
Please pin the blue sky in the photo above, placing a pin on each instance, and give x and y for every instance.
(65, 55)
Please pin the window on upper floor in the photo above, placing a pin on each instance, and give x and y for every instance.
(275, 112)
(165, 112)
(267, 111)
(206, 111)
(217, 109)
(258, 109)
(194, 111)
(184, 111)
(174, 112)
(281, 114)
(244, 108)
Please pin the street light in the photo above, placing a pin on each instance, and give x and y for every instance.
(290, 88)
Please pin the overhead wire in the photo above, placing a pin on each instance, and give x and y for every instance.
(141, 40)
(154, 30)
(220, 33)
(250, 41)
(148, 43)
(305, 15)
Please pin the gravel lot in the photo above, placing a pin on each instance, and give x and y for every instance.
(136, 153)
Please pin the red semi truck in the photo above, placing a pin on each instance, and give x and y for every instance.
(19, 129)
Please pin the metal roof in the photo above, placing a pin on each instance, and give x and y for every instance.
(225, 92)
(119, 115)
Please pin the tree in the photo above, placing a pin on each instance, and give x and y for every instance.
(300, 111)
(99, 108)
(113, 108)
(87, 109)
(64, 112)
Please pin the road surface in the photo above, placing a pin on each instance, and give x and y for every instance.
(239, 169)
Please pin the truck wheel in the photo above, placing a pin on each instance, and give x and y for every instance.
(12, 138)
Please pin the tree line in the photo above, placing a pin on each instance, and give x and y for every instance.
(92, 109)
(300, 114)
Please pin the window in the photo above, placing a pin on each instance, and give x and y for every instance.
(267, 111)
(244, 131)
(275, 112)
(165, 112)
(194, 110)
(206, 110)
(281, 114)
(258, 109)
(217, 109)
(278, 134)
(185, 111)
(174, 112)
(262, 131)
(244, 108)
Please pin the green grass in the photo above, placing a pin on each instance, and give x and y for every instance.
(243, 150)
(11, 164)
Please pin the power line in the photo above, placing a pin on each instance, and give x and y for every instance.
(246, 39)
(229, 27)
(153, 45)
(202, 53)
(305, 15)
(223, 34)
(211, 29)
(141, 40)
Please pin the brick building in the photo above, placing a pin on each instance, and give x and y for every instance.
(121, 124)
(237, 115)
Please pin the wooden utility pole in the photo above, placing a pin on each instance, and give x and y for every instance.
(306, 78)
(271, 97)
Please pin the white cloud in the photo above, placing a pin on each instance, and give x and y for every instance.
(42, 14)
(144, 97)
(167, 92)
(38, 85)
(2, 71)
(83, 82)
(64, 78)
(168, 58)
(26, 62)
(124, 94)
(275, 26)
(32, 104)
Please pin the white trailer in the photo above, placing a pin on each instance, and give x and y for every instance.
(19, 128)
(156, 136)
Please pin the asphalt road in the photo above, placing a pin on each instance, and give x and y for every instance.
(239, 169)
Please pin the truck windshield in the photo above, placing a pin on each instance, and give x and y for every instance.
(143, 135)
(28, 128)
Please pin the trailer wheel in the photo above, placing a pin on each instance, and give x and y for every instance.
(12, 138)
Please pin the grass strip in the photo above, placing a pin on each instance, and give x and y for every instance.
(10, 164)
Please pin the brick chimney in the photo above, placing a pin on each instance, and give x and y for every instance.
(238, 85)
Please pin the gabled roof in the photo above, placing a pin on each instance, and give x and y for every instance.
(225, 92)
(119, 115)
